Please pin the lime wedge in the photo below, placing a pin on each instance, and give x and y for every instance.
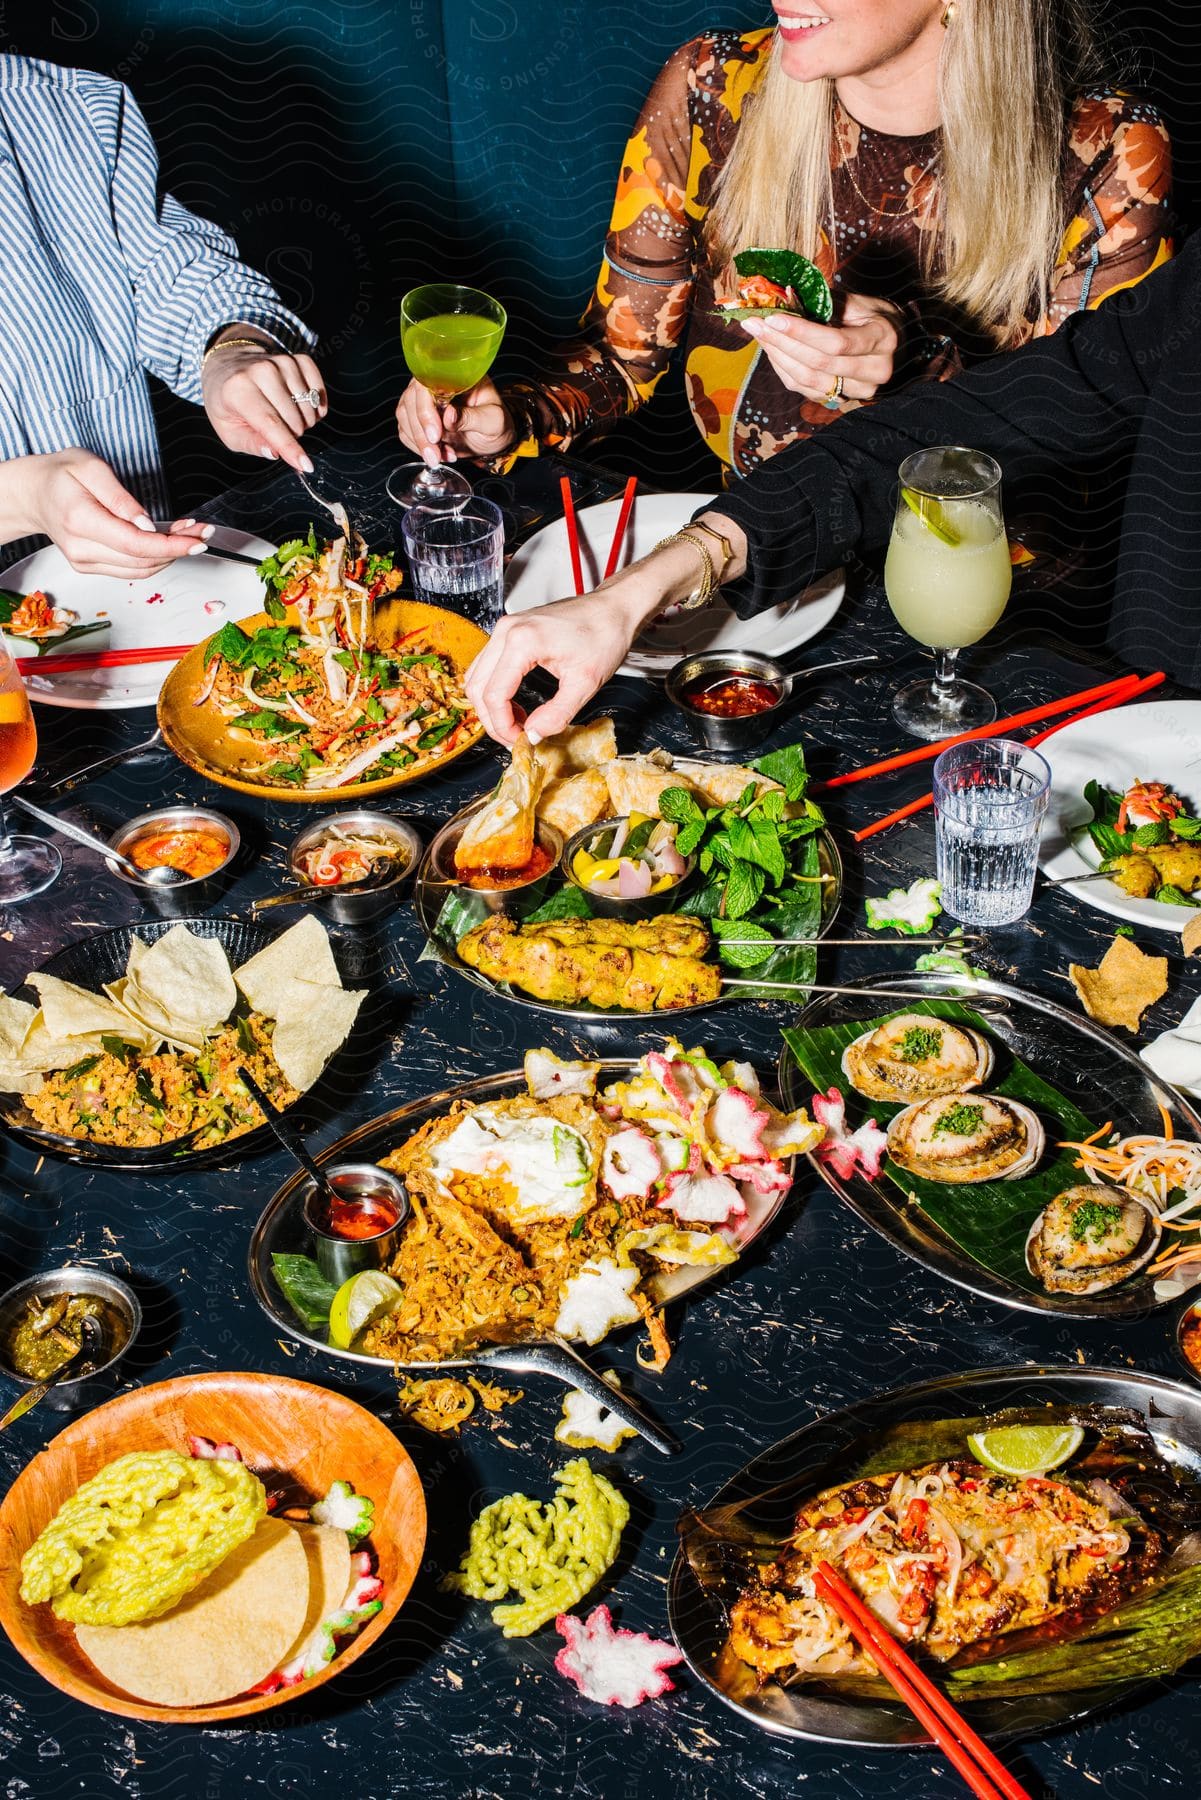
(932, 515)
(1026, 1449)
(359, 1302)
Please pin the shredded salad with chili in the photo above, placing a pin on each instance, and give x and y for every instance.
(329, 702)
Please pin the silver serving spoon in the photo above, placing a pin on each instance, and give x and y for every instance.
(335, 508)
(382, 866)
(161, 875)
(146, 748)
(92, 1345)
(287, 1135)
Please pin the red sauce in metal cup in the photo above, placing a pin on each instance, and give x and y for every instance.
(731, 696)
(356, 1219)
(539, 863)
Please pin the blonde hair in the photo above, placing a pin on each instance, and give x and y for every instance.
(1008, 74)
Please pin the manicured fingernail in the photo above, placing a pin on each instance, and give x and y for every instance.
(208, 530)
(184, 523)
(431, 435)
(143, 523)
(534, 738)
(269, 453)
(198, 550)
(307, 464)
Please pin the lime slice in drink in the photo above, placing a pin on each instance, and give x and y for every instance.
(932, 515)
(1026, 1449)
(359, 1302)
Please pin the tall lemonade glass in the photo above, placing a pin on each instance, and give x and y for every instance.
(947, 576)
(450, 336)
(27, 864)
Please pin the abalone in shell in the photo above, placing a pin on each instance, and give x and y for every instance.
(916, 1057)
(1091, 1237)
(967, 1136)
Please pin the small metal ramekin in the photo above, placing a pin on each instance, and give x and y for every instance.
(729, 737)
(440, 863)
(74, 1391)
(348, 906)
(611, 906)
(339, 1258)
(183, 899)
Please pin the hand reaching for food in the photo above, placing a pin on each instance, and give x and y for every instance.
(74, 499)
(478, 424)
(261, 401)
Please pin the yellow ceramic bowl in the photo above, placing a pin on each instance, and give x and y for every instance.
(199, 735)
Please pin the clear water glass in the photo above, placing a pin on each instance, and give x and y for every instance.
(456, 558)
(990, 797)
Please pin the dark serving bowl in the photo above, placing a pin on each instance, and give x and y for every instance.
(611, 906)
(96, 960)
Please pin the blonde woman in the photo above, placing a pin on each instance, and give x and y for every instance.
(948, 164)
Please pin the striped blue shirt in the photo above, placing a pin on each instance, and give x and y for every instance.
(102, 281)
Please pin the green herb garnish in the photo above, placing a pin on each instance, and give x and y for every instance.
(959, 1121)
(1095, 1219)
(83, 1067)
(919, 1044)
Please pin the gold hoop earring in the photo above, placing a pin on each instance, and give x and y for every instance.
(948, 17)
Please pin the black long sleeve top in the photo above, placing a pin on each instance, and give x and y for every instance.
(1111, 404)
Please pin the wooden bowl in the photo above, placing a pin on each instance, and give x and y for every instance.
(306, 1433)
(200, 738)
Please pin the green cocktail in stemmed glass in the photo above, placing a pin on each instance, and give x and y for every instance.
(450, 336)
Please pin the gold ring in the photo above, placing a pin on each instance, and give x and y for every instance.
(834, 395)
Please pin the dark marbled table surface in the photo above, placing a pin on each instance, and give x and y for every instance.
(821, 1314)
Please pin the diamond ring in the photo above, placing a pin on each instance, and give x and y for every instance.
(311, 397)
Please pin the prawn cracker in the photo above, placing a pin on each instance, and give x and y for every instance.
(225, 1637)
(300, 954)
(1190, 937)
(1125, 983)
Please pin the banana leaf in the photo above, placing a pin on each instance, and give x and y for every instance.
(989, 1220)
(787, 269)
(1151, 1633)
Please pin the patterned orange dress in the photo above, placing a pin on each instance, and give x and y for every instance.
(655, 290)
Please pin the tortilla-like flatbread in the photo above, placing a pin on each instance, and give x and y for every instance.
(185, 981)
(227, 1635)
(16, 1022)
(635, 784)
(501, 835)
(576, 748)
(69, 1011)
(576, 801)
(328, 1552)
(314, 1022)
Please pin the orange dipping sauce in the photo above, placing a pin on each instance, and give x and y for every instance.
(539, 863)
(197, 852)
(1190, 1342)
(358, 1219)
(735, 697)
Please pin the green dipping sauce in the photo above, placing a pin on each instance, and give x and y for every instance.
(48, 1332)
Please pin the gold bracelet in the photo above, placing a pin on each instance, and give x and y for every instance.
(708, 583)
(727, 548)
(237, 344)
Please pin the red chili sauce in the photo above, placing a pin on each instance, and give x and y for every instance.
(538, 865)
(363, 1217)
(731, 696)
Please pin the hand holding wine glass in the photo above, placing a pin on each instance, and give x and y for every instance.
(450, 336)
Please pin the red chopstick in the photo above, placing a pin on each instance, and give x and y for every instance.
(573, 533)
(984, 1773)
(1131, 687)
(924, 752)
(623, 519)
(69, 663)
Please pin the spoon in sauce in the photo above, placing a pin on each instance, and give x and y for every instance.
(159, 875)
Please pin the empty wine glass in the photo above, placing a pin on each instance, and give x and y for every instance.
(27, 864)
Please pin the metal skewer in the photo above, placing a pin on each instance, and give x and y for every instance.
(799, 988)
(874, 943)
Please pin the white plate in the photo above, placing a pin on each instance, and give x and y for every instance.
(540, 572)
(1159, 740)
(180, 605)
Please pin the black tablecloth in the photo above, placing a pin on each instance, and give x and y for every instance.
(820, 1314)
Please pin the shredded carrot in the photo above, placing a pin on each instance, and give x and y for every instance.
(1165, 1115)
